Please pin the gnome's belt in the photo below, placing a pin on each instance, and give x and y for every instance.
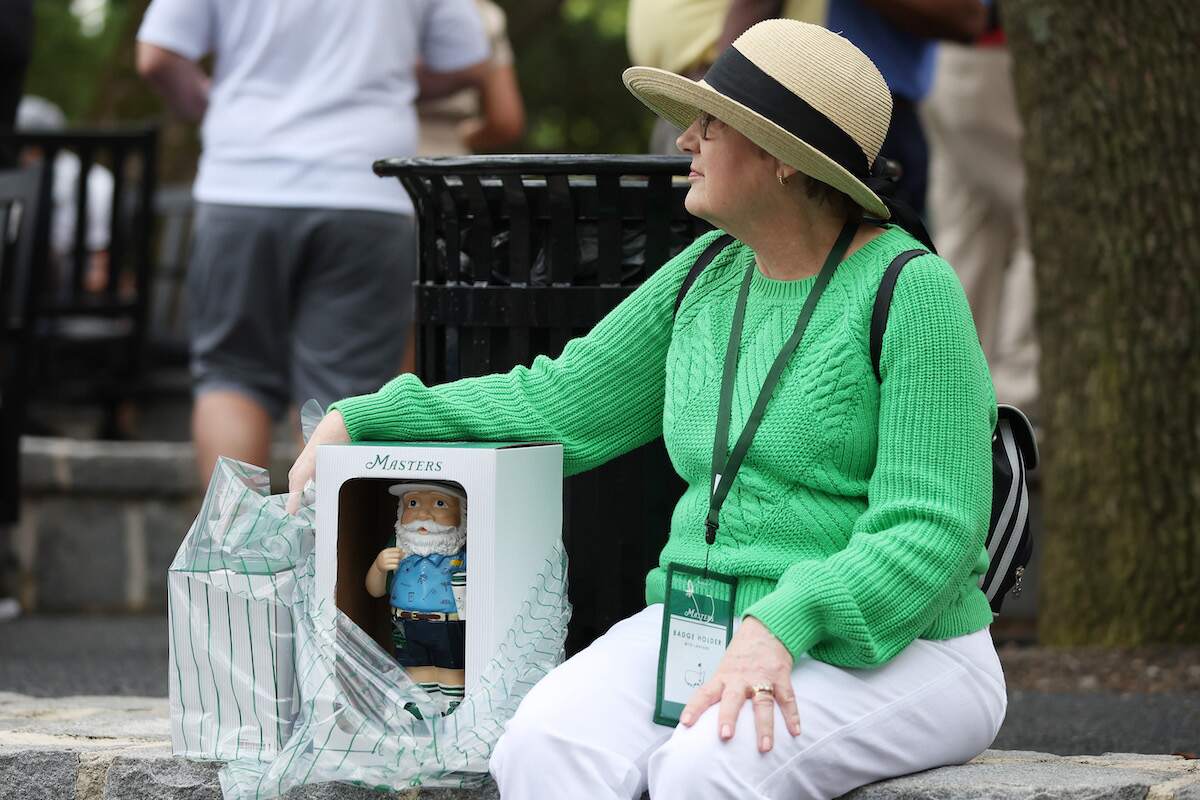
(424, 616)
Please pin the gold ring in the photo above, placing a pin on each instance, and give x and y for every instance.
(763, 688)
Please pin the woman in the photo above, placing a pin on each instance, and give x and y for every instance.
(855, 524)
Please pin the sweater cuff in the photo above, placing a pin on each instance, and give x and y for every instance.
(375, 415)
(792, 620)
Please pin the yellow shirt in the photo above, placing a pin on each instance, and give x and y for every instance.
(681, 35)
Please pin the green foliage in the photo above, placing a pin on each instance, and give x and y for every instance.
(67, 61)
(570, 56)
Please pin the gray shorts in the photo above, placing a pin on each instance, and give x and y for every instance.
(298, 303)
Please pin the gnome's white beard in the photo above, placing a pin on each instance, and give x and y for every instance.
(441, 539)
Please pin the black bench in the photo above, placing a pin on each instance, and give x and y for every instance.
(91, 332)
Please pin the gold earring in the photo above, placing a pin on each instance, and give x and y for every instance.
(782, 180)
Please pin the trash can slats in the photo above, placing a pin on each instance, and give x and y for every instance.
(520, 254)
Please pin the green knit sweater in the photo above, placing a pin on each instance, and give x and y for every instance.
(857, 521)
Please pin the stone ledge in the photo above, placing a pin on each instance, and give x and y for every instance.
(1004, 774)
(116, 748)
(122, 508)
(51, 465)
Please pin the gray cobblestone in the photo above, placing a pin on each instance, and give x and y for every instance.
(1002, 774)
(37, 774)
(81, 556)
(115, 748)
(161, 779)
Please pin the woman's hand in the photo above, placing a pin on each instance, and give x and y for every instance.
(330, 430)
(755, 657)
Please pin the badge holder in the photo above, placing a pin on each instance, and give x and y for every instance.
(697, 626)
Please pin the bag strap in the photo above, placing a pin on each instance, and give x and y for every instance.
(883, 304)
(710, 252)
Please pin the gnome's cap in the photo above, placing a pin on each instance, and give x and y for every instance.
(401, 489)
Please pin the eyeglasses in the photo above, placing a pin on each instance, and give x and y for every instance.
(705, 119)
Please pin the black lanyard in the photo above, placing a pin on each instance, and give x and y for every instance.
(725, 467)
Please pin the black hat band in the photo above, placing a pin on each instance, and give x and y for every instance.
(740, 79)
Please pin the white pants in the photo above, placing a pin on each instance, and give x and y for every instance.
(586, 730)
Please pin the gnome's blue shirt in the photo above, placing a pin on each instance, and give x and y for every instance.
(422, 583)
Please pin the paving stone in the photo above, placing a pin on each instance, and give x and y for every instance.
(165, 525)
(149, 776)
(342, 791)
(37, 775)
(116, 748)
(488, 791)
(92, 723)
(138, 468)
(51, 465)
(1016, 775)
(81, 559)
(161, 779)
(142, 778)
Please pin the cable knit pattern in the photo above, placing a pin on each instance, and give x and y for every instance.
(857, 521)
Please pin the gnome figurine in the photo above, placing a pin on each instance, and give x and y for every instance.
(423, 572)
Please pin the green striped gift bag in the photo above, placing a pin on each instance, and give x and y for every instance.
(232, 682)
(267, 674)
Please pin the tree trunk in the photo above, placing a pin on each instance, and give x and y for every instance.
(1110, 98)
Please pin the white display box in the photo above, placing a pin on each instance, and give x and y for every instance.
(514, 519)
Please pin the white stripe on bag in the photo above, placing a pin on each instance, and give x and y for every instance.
(1010, 450)
(1014, 541)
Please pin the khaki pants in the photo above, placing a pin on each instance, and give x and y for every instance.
(977, 209)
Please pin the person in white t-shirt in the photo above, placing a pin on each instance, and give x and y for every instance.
(39, 114)
(484, 121)
(300, 279)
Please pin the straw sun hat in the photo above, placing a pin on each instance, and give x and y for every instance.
(805, 95)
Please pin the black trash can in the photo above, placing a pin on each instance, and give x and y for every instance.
(520, 254)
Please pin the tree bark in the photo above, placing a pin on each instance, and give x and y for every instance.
(1110, 99)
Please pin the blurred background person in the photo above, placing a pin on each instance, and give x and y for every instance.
(487, 118)
(39, 114)
(16, 48)
(300, 278)
(977, 208)
(898, 35)
(685, 36)
(484, 119)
